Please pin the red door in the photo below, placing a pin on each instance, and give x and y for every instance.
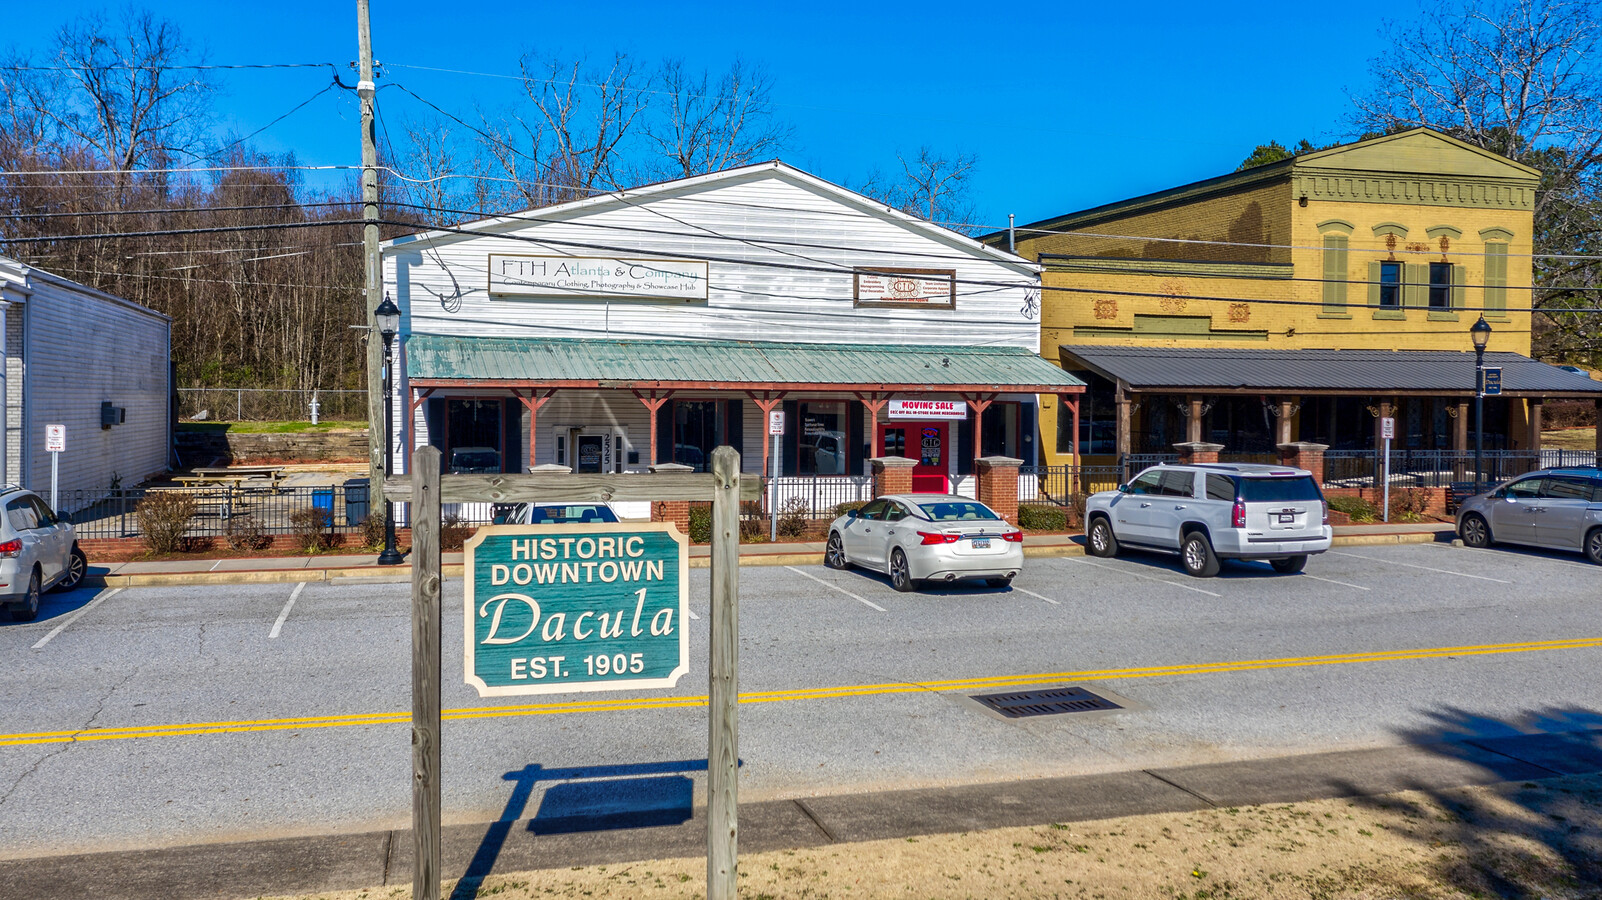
(925, 442)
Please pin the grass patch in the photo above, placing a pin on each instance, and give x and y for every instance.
(271, 427)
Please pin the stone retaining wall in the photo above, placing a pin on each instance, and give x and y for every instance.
(202, 448)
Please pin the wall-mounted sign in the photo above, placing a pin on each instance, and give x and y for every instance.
(558, 608)
(597, 278)
(927, 409)
(890, 286)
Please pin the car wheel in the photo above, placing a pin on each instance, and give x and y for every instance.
(28, 609)
(1197, 551)
(1593, 546)
(1290, 565)
(1101, 540)
(1476, 531)
(900, 572)
(1004, 581)
(77, 567)
(834, 555)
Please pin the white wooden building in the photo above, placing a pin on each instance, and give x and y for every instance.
(97, 364)
(650, 325)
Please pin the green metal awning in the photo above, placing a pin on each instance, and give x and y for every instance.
(439, 361)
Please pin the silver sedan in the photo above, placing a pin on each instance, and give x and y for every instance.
(1560, 509)
(926, 537)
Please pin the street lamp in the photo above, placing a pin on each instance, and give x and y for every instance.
(387, 318)
(1480, 333)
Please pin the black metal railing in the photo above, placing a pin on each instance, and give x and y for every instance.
(816, 496)
(217, 509)
(1060, 485)
(1441, 468)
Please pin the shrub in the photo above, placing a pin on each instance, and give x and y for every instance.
(453, 532)
(1038, 517)
(244, 532)
(793, 517)
(1409, 504)
(1360, 511)
(311, 529)
(841, 509)
(371, 531)
(164, 518)
(701, 523)
(753, 525)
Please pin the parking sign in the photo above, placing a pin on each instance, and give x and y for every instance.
(55, 438)
(1387, 428)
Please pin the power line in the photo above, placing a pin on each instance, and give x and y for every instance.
(176, 209)
(297, 108)
(223, 229)
(162, 66)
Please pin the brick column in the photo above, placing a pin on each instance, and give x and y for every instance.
(892, 475)
(1198, 452)
(1304, 455)
(998, 485)
(675, 511)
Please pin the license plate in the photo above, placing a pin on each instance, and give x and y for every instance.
(1287, 518)
(981, 543)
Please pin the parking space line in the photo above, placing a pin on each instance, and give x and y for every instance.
(1557, 562)
(692, 614)
(293, 596)
(1037, 596)
(1139, 575)
(75, 617)
(842, 590)
(1392, 562)
(1333, 581)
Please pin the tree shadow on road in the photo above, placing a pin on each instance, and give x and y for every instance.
(1536, 831)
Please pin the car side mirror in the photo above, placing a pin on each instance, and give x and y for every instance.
(851, 514)
(1123, 489)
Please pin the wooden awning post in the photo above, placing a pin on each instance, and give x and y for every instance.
(979, 403)
(765, 403)
(1072, 403)
(533, 401)
(411, 416)
(652, 404)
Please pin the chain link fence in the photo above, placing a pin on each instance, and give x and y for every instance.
(270, 405)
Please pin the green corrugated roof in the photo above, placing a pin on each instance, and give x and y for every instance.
(543, 360)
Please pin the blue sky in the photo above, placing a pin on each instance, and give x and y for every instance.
(1066, 107)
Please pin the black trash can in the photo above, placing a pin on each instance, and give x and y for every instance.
(357, 500)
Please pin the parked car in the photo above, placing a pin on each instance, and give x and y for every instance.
(555, 514)
(1210, 512)
(1560, 509)
(38, 552)
(475, 461)
(926, 537)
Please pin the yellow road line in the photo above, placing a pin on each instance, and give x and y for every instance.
(820, 693)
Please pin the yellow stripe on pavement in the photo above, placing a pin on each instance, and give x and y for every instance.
(820, 693)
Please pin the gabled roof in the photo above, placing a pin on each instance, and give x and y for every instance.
(700, 183)
(1367, 372)
(1417, 151)
(434, 360)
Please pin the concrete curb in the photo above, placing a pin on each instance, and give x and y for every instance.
(403, 573)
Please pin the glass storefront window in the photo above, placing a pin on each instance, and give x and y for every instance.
(697, 431)
(474, 434)
(822, 441)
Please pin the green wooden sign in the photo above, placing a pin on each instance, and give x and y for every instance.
(553, 609)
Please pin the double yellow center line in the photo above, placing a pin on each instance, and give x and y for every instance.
(821, 693)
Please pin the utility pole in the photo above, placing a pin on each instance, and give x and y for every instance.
(367, 89)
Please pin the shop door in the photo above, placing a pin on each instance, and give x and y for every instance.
(926, 442)
(591, 453)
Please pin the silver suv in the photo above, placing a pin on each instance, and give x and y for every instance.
(38, 552)
(1212, 511)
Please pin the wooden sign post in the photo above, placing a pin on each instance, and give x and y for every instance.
(426, 490)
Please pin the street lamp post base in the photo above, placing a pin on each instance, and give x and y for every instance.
(390, 557)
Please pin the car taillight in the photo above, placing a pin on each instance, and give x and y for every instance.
(1014, 536)
(1326, 513)
(939, 537)
(1238, 515)
(11, 548)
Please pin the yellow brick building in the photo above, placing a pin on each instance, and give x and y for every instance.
(1247, 310)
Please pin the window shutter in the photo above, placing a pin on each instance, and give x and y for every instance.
(1374, 284)
(734, 427)
(791, 438)
(1416, 286)
(664, 436)
(512, 435)
(1027, 430)
(1496, 277)
(1334, 272)
(856, 444)
(1459, 289)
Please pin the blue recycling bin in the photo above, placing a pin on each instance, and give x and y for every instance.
(357, 500)
(323, 499)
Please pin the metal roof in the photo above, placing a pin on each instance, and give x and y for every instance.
(629, 363)
(1351, 371)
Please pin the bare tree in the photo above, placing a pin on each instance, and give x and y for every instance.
(1522, 78)
(706, 127)
(932, 186)
(586, 117)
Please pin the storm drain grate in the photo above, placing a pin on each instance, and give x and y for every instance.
(1045, 703)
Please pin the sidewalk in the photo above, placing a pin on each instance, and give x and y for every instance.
(363, 568)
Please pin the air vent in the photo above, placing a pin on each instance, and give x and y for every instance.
(1051, 701)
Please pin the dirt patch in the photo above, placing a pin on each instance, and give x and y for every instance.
(1521, 840)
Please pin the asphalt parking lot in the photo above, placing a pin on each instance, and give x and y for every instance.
(164, 715)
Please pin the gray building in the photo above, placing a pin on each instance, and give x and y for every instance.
(95, 363)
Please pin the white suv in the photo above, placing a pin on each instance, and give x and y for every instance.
(38, 552)
(1212, 511)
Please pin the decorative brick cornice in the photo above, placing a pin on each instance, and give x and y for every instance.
(1369, 187)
